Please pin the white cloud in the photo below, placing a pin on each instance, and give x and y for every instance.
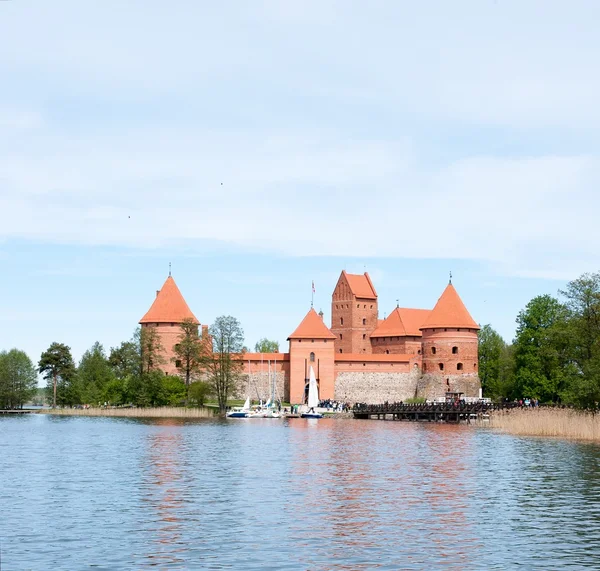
(121, 121)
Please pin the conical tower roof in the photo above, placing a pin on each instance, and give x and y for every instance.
(169, 306)
(449, 311)
(312, 327)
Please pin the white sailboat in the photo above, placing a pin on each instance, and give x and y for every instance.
(243, 412)
(313, 397)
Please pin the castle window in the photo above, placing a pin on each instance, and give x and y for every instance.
(364, 335)
(419, 351)
(387, 351)
(340, 350)
(312, 340)
(371, 306)
(433, 350)
(459, 366)
(455, 350)
(341, 336)
(358, 306)
(312, 357)
(341, 321)
(364, 321)
(364, 364)
(365, 307)
(475, 366)
(441, 365)
(178, 364)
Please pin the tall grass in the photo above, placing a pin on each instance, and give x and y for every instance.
(158, 412)
(558, 422)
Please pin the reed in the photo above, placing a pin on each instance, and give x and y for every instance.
(158, 412)
(556, 422)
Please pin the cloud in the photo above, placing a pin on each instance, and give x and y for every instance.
(333, 129)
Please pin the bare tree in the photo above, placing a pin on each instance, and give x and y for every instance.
(188, 352)
(222, 361)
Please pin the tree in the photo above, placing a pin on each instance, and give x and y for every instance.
(264, 345)
(124, 360)
(94, 374)
(172, 391)
(199, 392)
(149, 348)
(491, 351)
(18, 379)
(542, 350)
(57, 366)
(222, 361)
(188, 351)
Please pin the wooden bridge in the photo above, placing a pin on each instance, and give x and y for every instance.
(17, 411)
(427, 412)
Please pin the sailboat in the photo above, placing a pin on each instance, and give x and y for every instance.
(243, 412)
(313, 397)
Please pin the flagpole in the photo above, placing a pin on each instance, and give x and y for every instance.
(312, 297)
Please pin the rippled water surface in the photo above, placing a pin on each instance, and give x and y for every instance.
(271, 494)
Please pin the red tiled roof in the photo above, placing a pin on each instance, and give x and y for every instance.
(413, 319)
(392, 326)
(449, 311)
(168, 306)
(403, 321)
(361, 285)
(312, 327)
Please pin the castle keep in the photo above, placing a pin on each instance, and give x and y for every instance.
(360, 358)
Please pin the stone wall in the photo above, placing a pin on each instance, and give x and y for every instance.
(374, 388)
(435, 386)
(257, 386)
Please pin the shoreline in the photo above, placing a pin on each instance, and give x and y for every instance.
(135, 412)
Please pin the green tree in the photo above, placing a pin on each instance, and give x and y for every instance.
(222, 362)
(173, 391)
(491, 350)
(18, 379)
(582, 298)
(188, 351)
(264, 345)
(124, 360)
(94, 374)
(542, 350)
(57, 366)
(199, 392)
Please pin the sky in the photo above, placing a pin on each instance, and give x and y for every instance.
(258, 146)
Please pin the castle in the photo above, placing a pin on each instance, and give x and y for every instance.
(360, 358)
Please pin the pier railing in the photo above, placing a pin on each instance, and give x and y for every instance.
(448, 412)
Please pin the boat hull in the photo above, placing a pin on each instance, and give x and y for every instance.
(237, 415)
(311, 415)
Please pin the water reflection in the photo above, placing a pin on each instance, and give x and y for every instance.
(162, 486)
(329, 494)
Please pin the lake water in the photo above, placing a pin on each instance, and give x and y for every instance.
(79, 493)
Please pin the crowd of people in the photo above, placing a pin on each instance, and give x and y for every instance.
(334, 405)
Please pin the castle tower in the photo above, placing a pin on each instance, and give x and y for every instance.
(354, 313)
(311, 344)
(450, 349)
(166, 314)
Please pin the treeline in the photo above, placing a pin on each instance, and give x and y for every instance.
(131, 372)
(555, 355)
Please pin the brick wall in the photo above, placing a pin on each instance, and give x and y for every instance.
(257, 386)
(375, 387)
(433, 386)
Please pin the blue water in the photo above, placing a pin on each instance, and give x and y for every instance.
(78, 493)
